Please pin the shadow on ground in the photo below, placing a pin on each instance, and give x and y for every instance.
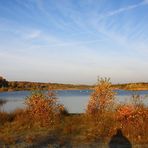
(119, 141)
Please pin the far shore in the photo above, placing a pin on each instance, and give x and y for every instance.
(13, 90)
(9, 86)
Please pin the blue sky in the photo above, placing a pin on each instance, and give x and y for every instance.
(74, 41)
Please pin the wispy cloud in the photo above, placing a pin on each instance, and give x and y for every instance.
(32, 34)
(64, 43)
(127, 8)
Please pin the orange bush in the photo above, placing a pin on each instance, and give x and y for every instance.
(99, 111)
(130, 114)
(125, 114)
(44, 109)
(133, 120)
(102, 98)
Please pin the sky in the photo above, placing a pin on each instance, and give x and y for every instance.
(74, 41)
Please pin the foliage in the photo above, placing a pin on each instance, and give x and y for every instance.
(3, 82)
(104, 116)
(99, 111)
(101, 98)
(43, 108)
(133, 119)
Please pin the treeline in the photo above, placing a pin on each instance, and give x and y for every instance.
(132, 86)
(24, 85)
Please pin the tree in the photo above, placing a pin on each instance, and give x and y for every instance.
(3, 82)
(101, 98)
(99, 113)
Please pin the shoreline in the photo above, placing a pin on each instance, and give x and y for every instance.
(13, 90)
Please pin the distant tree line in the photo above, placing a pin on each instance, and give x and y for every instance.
(132, 86)
(24, 85)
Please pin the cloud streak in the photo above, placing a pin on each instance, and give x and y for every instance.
(124, 9)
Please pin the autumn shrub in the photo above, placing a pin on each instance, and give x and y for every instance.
(133, 120)
(99, 111)
(102, 98)
(44, 108)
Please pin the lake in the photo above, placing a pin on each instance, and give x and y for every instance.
(74, 100)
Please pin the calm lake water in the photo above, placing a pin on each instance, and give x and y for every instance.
(74, 100)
